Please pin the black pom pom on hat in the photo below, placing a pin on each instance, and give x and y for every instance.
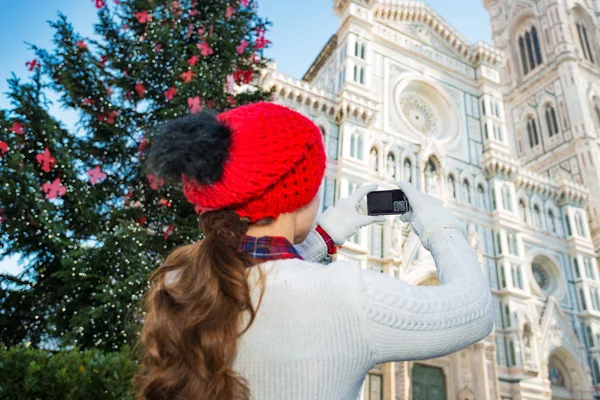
(195, 145)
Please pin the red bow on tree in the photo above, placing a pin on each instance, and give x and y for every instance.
(140, 89)
(46, 160)
(194, 104)
(170, 93)
(155, 182)
(54, 189)
(187, 76)
(17, 128)
(32, 64)
(96, 175)
(205, 49)
(3, 148)
(193, 60)
(143, 17)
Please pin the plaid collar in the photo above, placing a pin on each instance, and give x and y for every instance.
(269, 248)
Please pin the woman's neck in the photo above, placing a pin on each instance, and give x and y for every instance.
(284, 226)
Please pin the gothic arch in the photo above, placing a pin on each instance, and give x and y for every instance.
(572, 374)
(586, 42)
(523, 21)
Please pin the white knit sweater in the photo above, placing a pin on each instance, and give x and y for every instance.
(321, 328)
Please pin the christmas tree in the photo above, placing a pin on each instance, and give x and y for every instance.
(78, 206)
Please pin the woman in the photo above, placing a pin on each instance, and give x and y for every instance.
(245, 314)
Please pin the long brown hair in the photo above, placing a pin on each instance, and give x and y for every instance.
(190, 328)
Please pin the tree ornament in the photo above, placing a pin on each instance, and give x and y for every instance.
(103, 61)
(230, 82)
(193, 60)
(261, 42)
(54, 189)
(244, 3)
(141, 220)
(166, 203)
(140, 89)
(143, 17)
(170, 93)
(81, 44)
(205, 49)
(31, 65)
(155, 182)
(242, 46)
(187, 76)
(158, 47)
(3, 148)
(194, 104)
(17, 128)
(46, 160)
(96, 175)
(100, 3)
(229, 12)
(169, 231)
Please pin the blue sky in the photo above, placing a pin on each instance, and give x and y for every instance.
(300, 30)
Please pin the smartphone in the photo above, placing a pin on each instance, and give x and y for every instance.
(387, 202)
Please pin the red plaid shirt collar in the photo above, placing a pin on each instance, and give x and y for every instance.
(269, 248)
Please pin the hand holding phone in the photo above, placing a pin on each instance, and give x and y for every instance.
(387, 202)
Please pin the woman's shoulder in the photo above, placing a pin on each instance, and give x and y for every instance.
(281, 270)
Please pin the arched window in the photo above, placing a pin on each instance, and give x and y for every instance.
(481, 196)
(362, 51)
(362, 75)
(323, 131)
(576, 264)
(529, 49)
(551, 121)
(391, 165)
(506, 198)
(590, 336)
(356, 45)
(431, 177)
(582, 298)
(552, 221)
(359, 148)
(374, 159)
(596, 105)
(407, 170)
(466, 192)
(353, 145)
(451, 186)
(537, 217)
(579, 224)
(532, 132)
(584, 41)
(355, 73)
(523, 211)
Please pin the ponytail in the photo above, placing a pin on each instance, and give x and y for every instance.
(193, 308)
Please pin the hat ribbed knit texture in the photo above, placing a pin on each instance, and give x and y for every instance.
(275, 165)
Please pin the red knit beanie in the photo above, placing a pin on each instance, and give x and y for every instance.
(274, 164)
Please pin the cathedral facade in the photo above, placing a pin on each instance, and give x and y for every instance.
(506, 136)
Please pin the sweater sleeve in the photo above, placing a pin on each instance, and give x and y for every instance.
(404, 322)
(314, 248)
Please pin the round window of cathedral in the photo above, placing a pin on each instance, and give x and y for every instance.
(541, 276)
(419, 114)
(426, 109)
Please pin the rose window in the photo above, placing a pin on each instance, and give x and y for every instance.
(419, 114)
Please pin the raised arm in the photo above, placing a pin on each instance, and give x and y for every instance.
(405, 322)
